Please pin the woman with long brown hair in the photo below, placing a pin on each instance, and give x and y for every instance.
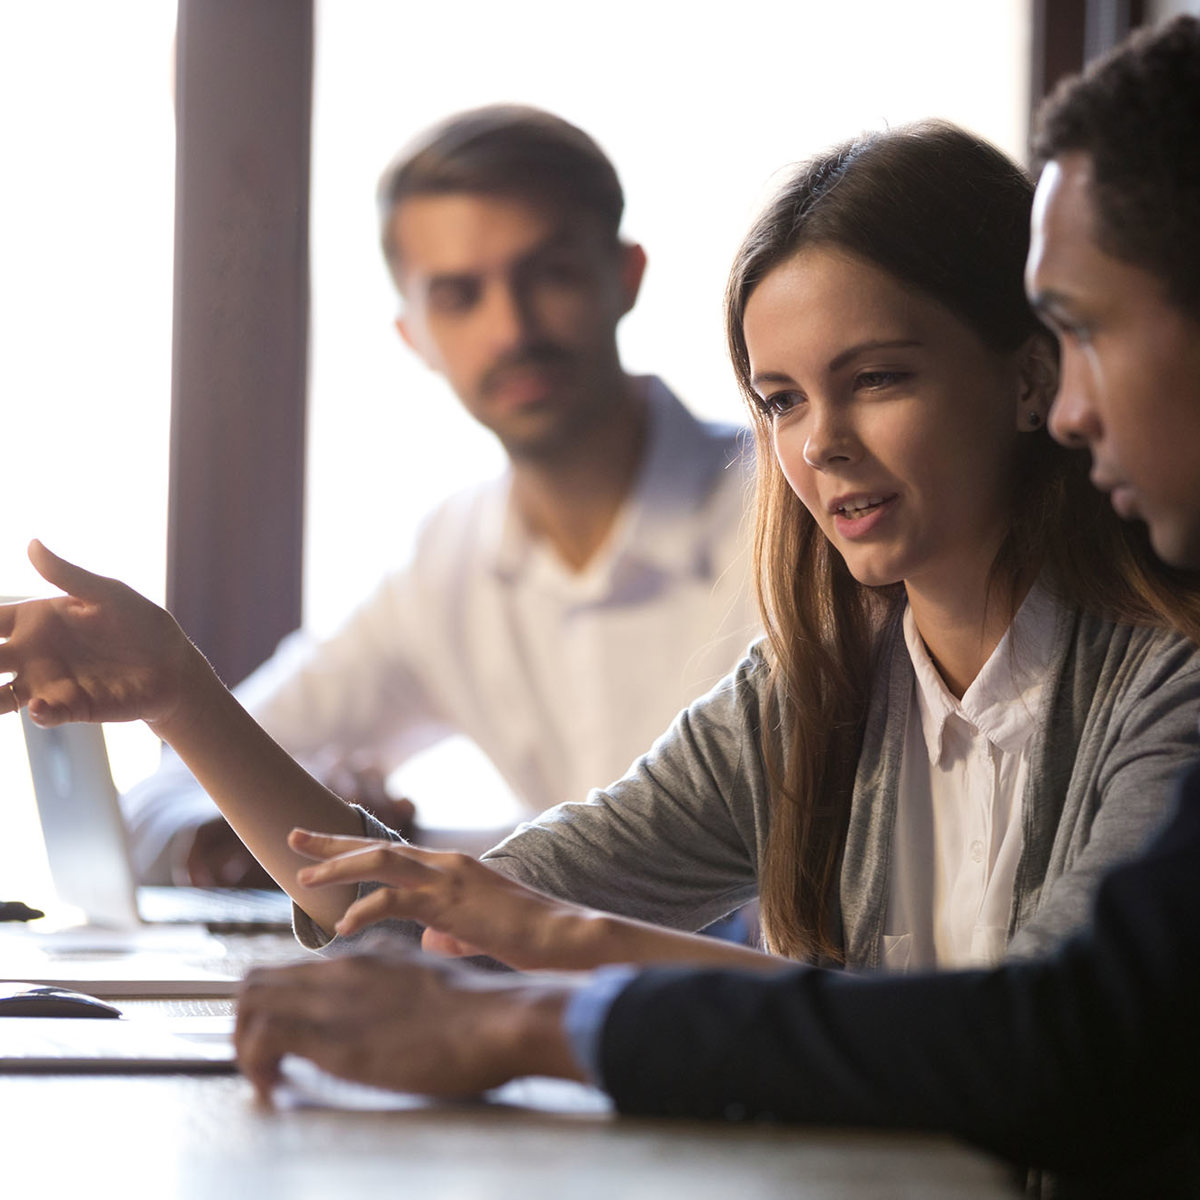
(975, 683)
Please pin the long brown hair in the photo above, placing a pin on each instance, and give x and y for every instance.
(947, 214)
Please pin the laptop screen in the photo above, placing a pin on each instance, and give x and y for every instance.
(81, 820)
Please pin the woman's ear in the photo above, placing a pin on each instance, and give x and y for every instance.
(1038, 381)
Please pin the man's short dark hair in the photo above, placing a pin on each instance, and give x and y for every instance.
(1136, 114)
(504, 150)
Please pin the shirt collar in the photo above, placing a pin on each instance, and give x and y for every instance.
(1003, 701)
(659, 525)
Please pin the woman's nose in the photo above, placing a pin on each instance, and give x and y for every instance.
(829, 440)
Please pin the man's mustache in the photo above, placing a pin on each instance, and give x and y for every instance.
(537, 354)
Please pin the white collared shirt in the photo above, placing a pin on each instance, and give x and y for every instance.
(958, 833)
(562, 678)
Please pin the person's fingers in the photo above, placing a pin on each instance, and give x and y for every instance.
(217, 857)
(259, 1050)
(48, 713)
(379, 862)
(387, 904)
(404, 811)
(257, 1046)
(277, 1013)
(327, 845)
(73, 580)
(444, 946)
(199, 873)
(316, 845)
(235, 867)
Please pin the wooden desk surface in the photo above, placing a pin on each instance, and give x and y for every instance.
(204, 1138)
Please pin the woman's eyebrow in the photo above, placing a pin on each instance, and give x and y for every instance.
(840, 360)
(771, 377)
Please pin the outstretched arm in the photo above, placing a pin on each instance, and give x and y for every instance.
(104, 653)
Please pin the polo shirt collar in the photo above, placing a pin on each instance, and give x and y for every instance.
(1004, 699)
(658, 526)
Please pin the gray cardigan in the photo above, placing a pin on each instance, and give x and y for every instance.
(677, 840)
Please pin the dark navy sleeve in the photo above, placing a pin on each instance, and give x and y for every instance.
(1078, 1062)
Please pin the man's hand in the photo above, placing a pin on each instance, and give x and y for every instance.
(410, 1023)
(217, 857)
(366, 787)
(467, 907)
(99, 653)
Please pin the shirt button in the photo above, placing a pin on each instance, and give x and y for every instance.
(977, 851)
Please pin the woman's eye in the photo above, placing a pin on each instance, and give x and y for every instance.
(777, 404)
(877, 380)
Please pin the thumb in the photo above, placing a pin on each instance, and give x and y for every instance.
(445, 946)
(73, 580)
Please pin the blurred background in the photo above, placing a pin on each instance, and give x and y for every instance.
(106, 279)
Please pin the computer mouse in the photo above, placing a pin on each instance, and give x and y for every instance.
(39, 1000)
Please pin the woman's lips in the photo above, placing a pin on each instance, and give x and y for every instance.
(857, 516)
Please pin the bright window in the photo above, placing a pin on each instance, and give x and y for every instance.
(86, 234)
(697, 108)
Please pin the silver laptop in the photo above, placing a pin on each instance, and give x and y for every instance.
(88, 853)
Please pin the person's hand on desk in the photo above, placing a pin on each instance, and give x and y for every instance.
(367, 787)
(469, 908)
(214, 856)
(409, 1022)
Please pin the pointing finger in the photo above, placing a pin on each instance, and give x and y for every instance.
(73, 580)
(327, 845)
(376, 862)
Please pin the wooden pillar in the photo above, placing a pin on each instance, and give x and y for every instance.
(240, 341)
(1068, 34)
